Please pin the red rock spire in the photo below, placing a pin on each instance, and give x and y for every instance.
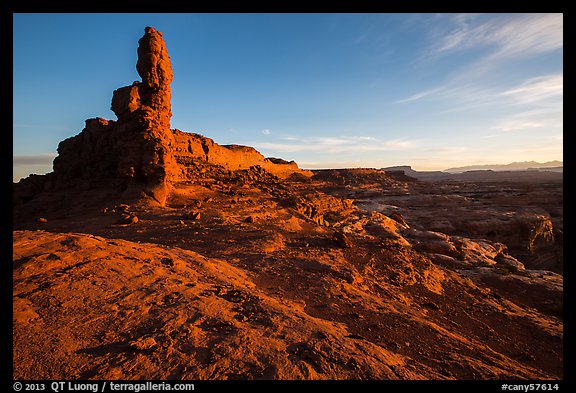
(151, 97)
(144, 113)
(153, 61)
(155, 68)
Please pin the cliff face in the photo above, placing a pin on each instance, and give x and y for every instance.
(139, 152)
(195, 147)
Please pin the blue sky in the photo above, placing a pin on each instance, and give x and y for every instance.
(327, 90)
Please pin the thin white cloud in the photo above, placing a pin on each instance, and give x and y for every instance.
(265, 132)
(419, 95)
(529, 35)
(462, 93)
(549, 118)
(397, 144)
(537, 89)
(516, 125)
(546, 91)
(289, 138)
(340, 144)
(507, 36)
(459, 36)
(496, 40)
(359, 138)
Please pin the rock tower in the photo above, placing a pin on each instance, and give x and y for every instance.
(139, 153)
(138, 147)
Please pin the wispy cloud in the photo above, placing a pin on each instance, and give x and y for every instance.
(515, 125)
(537, 89)
(335, 144)
(506, 36)
(491, 42)
(419, 95)
(541, 90)
(459, 36)
(39, 159)
(265, 132)
(540, 118)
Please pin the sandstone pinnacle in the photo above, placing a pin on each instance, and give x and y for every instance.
(153, 61)
(139, 153)
(151, 97)
(144, 113)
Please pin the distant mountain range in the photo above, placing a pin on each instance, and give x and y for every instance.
(515, 166)
(516, 171)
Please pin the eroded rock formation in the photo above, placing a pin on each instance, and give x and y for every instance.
(138, 147)
(144, 113)
(139, 153)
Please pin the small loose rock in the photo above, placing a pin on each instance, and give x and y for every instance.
(193, 215)
(143, 343)
(127, 219)
(342, 240)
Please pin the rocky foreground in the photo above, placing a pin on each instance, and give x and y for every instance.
(151, 253)
(232, 281)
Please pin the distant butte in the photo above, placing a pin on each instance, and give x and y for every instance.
(140, 153)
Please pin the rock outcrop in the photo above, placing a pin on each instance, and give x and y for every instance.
(190, 147)
(138, 147)
(144, 113)
(139, 153)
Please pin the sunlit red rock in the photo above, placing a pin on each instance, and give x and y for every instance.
(152, 253)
